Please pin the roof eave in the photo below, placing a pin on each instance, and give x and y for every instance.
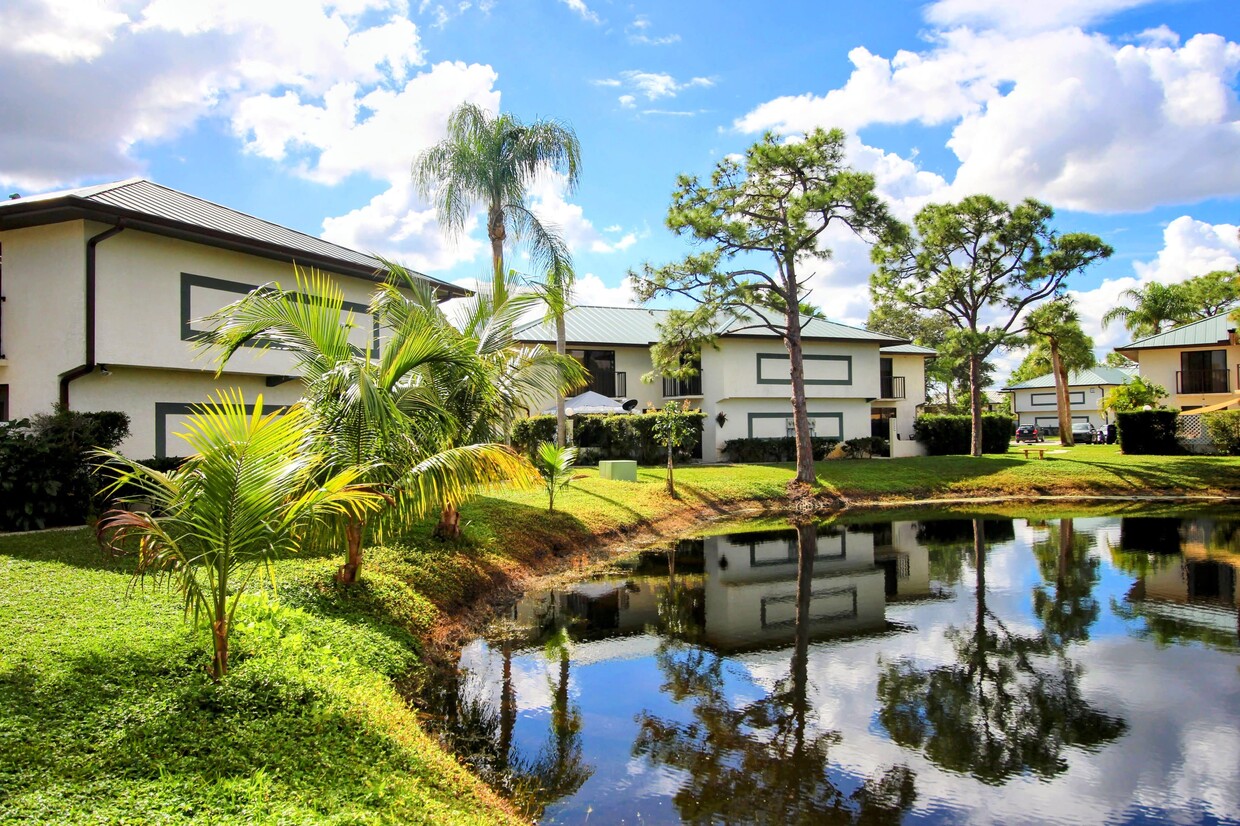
(75, 208)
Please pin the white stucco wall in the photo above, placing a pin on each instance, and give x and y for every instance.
(44, 312)
(1045, 413)
(913, 369)
(1161, 366)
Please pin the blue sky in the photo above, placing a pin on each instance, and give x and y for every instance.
(1123, 114)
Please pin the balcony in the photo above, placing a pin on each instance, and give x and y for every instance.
(891, 387)
(675, 388)
(1201, 381)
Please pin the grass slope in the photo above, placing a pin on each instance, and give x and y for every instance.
(106, 714)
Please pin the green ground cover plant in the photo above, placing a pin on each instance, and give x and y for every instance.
(107, 713)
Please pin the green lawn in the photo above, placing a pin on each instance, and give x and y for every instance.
(107, 715)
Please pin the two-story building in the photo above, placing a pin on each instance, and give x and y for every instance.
(1034, 401)
(102, 287)
(858, 383)
(1198, 363)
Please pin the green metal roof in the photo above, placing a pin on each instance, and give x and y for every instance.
(909, 350)
(585, 324)
(1212, 330)
(1093, 376)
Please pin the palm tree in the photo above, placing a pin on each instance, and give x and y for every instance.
(381, 412)
(1154, 306)
(254, 487)
(1055, 328)
(482, 401)
(494, 161)
(557, 293)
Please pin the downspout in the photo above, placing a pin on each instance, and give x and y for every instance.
(89, 366)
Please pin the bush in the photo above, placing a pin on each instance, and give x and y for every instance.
(47, 476)
(604, 436)
(944, 435)
(1224, 429)
(1148, 432)
(865, 447)
(779, 449)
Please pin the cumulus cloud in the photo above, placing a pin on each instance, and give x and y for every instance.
(1069, 117)
(548, 200)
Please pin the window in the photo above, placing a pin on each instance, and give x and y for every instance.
(603, 376)
(4, 402)
(1202, 371)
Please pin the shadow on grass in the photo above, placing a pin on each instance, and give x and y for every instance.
(1177, 473)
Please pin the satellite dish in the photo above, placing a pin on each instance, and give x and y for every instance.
(630, 405)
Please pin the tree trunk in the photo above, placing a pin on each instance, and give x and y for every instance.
(507, 706)
(671, 485)
(1061, 396)
(979, 565)
(347, 574)
(449, 526)
(800, 415)
(219, 638)
(975, 401)
(497, 234)
(807, 548)
(560, 348)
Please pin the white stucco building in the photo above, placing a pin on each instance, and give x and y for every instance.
(1034, 402)
(858, 383)
(1198, 363)
(102, 287)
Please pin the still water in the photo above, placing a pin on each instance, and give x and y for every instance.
(930, 669)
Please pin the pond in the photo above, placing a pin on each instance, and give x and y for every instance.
(929, 668)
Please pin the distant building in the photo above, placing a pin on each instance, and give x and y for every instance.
(1034, 402)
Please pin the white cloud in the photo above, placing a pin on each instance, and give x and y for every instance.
(582, 10)
(548, 201)
(1015, 15)
(1190, 248)
(637, 32)
(590, 289)
(1065, 116)
(652, 86)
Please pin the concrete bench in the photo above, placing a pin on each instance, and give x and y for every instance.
(618, 470)
(1041, 452)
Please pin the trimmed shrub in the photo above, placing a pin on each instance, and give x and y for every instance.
(47, 476)
(945, 435)
(1224, 429)
(865, 447)
(602, 436)
(1148, 432)
(775, 449)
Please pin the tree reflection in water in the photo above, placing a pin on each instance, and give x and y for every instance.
(760, 762)
(1011, 703)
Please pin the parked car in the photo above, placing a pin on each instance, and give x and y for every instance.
(1084, 433)
(1029, 433)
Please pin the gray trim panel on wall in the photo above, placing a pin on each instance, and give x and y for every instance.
(165, 409)
(1076, 397)
(839, 418)
(189, 281)
(784, 357)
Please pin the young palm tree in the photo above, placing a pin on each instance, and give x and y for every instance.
(252, 491)
(1155, 306)
(493, 160)
(482, 402)
(381, 412)
(557, 293)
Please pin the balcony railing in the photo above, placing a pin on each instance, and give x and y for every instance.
(610, 384)
(672, 388)
(1201, 381)
(891, 387)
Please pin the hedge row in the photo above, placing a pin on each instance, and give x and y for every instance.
(608, 436)
(47, 475)
(1148, 432)
(944, 435)
(773, 449)
(1224, 429)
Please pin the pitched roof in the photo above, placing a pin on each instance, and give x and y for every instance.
(909, 350)
(145, 205)
(1212, 330)
(1094, 376)
(639, 326)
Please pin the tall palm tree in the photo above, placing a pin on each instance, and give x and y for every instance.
(382, 412)
(1055, 328)
(493, 160)
(1154, 306)
(254, 487)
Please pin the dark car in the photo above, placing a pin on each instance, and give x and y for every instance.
(1029, 433)
(1084, 433)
